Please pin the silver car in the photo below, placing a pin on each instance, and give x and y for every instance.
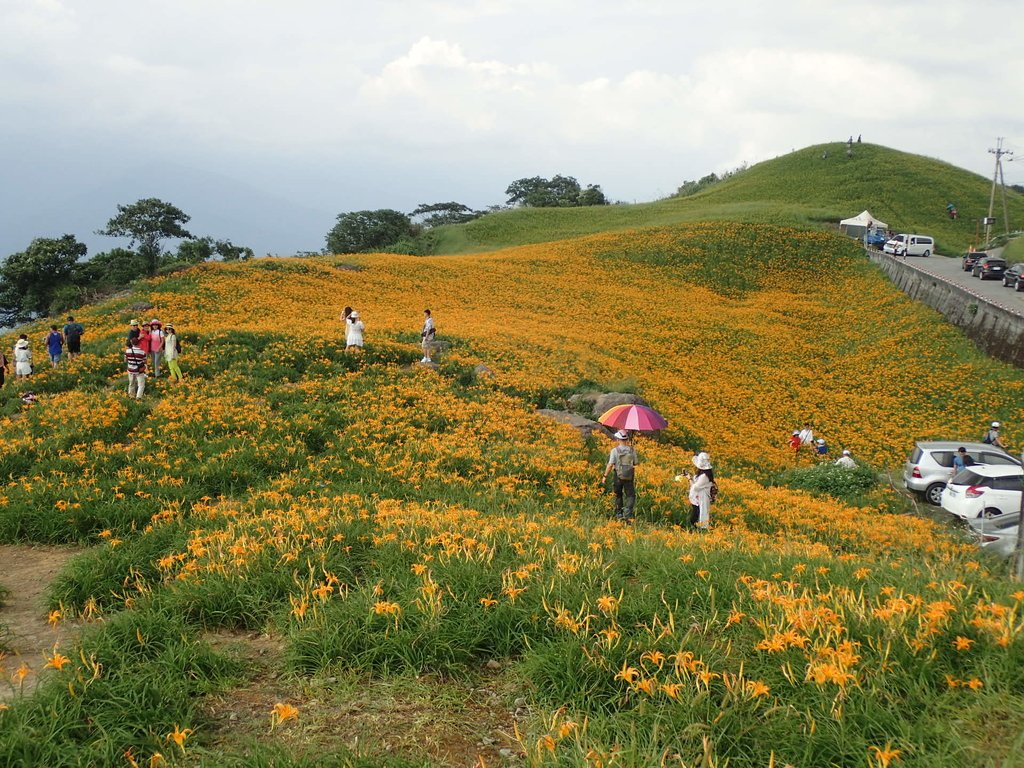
(997, 535)
(930, 465)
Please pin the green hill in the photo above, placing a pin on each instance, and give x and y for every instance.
(909, 192)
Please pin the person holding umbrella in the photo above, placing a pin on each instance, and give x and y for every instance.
(623, 459)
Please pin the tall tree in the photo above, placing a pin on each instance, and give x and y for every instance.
(366, 231)
(436, 214)
(146, 223)
(30, 279)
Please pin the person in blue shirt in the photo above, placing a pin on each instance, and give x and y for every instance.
(821, 447)
(54, 345)
(960, 461)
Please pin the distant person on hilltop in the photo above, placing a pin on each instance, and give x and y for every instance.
(427, 335)
(73, 337)
(354, 336)
(22, 358)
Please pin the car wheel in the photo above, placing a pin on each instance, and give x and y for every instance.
(1017, 285)
(926, 254)
(933, 494)
(990, 512)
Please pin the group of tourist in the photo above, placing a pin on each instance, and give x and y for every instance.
(354, 328)
(150, 344)
(804, 438)
(56, 341)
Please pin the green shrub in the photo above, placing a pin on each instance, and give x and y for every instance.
(830, 479)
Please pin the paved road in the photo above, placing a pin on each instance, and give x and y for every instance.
(949, 269)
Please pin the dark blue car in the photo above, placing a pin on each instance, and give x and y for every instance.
(875, 239)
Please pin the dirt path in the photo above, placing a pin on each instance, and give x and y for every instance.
(26, 572)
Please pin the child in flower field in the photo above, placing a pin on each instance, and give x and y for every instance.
(172, 348)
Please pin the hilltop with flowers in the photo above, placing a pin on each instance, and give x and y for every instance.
(375, 535)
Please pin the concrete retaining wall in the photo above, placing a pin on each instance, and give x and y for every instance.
(997, 329)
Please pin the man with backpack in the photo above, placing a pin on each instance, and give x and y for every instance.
(623, 459)
(73, 336)
(992, 436)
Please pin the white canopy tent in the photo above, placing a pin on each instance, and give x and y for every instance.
(861, 223)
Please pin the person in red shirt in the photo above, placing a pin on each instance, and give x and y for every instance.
(795, 441)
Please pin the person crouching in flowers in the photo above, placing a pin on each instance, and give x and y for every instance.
(172, 349)
(701, 485)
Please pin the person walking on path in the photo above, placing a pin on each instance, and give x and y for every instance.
(135, 362)
(54, 346)
(846, 461)
(156, 345)
(354, 337)
(172, 349)
(623, 459)
(992, 436)
(427, 336)
(22, 358)
(701, 486)
(73, 331)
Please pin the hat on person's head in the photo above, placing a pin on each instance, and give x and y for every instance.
(154, 321)
(134, 322)
(21, 343)
(702, 461)
(820, 441)
(796, 431)
(845, 452)
(621, 435)
(355, 313)
(995, 425)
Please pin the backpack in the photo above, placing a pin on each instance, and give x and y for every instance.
(625, 464)
(987, 439)
(714, 492)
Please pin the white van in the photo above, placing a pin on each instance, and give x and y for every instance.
(910, 245)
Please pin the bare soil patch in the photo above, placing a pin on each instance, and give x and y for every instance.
(446, 722)
(25, 573)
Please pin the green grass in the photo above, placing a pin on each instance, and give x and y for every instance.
(909, 192)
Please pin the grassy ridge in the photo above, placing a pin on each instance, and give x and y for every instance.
(386, 520)
(908, 192)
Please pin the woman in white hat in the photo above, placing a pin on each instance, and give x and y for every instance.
(354, 336)
(700, 490)
(22, 358)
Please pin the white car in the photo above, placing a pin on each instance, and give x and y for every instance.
(984, 491)
(998, 535)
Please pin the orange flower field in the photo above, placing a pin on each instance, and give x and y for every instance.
(388, 520)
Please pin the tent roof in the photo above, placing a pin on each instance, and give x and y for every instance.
(863, 219)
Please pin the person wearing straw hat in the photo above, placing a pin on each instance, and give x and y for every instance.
(172, 348)
(700, 490)
(22, 358)
(623, 459)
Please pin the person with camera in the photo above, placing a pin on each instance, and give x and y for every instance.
(623, 459)
(702, 490)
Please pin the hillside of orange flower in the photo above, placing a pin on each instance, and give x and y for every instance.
(384, 519)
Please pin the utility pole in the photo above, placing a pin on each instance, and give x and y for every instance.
(997, 176)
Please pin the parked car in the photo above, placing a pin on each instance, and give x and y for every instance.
(1014, 277)
(929, 466)
(984, 491)
(910, 245)
(970, 258)
(989, 266)
(997, 535)
(875, 239)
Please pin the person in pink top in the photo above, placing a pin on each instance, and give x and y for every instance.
(156, 345)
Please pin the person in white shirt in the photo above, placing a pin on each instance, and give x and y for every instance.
(22, 358)
(354, 337)
(846, 461)
(700, 490)
(807, 435)
(427, 335)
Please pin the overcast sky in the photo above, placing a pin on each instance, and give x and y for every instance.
(264, 119)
